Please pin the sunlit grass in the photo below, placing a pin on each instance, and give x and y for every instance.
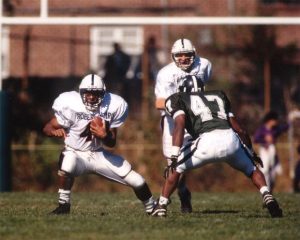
(24, 215)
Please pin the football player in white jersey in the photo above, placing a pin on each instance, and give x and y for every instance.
(185, 62)
(88, 120)
(216, 137)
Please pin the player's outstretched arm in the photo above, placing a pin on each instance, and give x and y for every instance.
(53, 129)
(160, 103)
(244, 136)
(177, 141)
(245, 139)
(178, 132)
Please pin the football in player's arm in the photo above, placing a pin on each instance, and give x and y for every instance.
(87, 120)
(216, 137)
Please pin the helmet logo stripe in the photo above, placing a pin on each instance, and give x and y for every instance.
(93, 79)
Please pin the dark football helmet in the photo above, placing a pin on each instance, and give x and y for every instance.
(191, 83)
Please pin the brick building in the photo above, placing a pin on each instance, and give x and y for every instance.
(43, 61)
(67, 52)
(51, 51)
(61, 54)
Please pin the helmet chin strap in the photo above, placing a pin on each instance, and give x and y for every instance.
(90, 108)
(93, 102)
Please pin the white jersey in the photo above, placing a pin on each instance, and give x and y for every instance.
(168, 77)
(72, 115)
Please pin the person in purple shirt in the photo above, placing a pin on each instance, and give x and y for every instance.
(266, 136)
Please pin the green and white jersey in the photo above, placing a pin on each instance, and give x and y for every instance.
(204, 111)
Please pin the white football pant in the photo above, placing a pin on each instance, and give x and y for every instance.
(213, 147)
(100, 162)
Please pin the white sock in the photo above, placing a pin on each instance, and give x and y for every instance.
(264, 189)
(163, 200)
(64, 196)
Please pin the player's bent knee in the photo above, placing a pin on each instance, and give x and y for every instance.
(134, 179)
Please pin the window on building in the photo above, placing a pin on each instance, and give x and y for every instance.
(131, 40)
(5, 52)
(205, 37)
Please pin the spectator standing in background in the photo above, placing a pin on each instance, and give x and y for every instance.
(266, 136)
(116, 67)
(148, 64)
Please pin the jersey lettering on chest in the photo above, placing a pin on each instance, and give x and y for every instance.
(87, 116)
(83, 116)
(106, 115)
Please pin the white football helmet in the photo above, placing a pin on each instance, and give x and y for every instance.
(180, 47)
(94, 85)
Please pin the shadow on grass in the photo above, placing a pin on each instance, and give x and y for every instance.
(218, 212)
(230, 212)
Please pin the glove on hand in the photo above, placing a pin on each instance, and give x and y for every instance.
(257, 160)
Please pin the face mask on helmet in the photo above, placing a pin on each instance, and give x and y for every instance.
(92, 90)
(183, 53)
(191, 84)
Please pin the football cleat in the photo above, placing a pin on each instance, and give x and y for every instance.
(149, 206)
(62, 209)
(159, 211)
(272, 205)
(185, 200)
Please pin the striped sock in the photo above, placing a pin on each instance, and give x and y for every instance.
(268, 198)
(149, 204)
(64, 196)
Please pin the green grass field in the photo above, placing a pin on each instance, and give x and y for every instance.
(24, 215)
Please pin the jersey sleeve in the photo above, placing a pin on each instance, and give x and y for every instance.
(174, 106)
(64, 115)
(164, 85)
(207, 71)
(203, 69)
(120, 114)
(227, 104)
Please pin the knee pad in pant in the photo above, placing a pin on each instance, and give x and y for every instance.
(134, 179)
